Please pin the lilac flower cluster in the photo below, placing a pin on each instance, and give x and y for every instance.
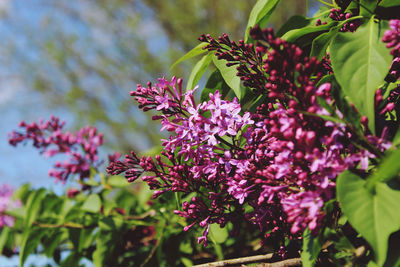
(6, 193)
(280, 162)
(388, 108)
(283, 73)
(80, 147)
(392, 38)
(338, 15)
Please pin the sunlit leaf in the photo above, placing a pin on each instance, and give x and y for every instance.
(360, 63)
(92, 204)
(388, 169)
(198, 50)
(33, 206)
(260, 14)
(311, 248)
(118, 181)
(198, 71)
(230, 76)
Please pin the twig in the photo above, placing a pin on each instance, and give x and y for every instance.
(237, 261)
(151, 213)
(253, 259)
(284, 263)
(64, 225)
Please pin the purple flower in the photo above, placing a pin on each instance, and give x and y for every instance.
(6, 203)
(303, 210)
(80, 147)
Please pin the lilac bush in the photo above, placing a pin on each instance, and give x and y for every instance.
(284, 157)
(287, 138)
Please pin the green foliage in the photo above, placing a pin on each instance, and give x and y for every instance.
(360, 62)
(106, 222)
(373, 214)
(387, 170)
(198, 70)
(260, 14)
(311, 248)
(389, 3)
(92, 204)
(304, 36)
(367, 7)
(198, 50)
(215, 82)
(229, 76)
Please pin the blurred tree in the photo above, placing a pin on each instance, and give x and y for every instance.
(87, 55)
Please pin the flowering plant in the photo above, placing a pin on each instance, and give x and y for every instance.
(296, 134)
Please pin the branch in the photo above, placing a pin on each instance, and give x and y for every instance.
(284, 263)
(151, 213)
(64, 225)
(253, 259)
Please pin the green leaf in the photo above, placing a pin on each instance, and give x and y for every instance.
(186, 247)
(311, 248)
(215, 82)
(117, 181)
(367, 7)
(219, 234)
(306, 35)
(389, 3)
(99, 255)
(105, 252)
(73, 259)
(30, 243)
(321, 43)
(187, 262)
(294, 22)
(4, 237)
(198, 50)
(81, 238)
(360, 63)
(110, 223)
(229, 75)
(198, 71)
(33, 206)
(260, 14)
(388, 169)
(92, 204)
(21, 192)
(374, 216)
(396, 139)
(17, 212)
(53, 240)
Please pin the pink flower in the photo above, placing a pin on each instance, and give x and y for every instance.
(303, 210)
(6, 203)
(79, 147)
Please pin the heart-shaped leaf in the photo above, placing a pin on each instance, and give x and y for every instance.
(374, 215)
(360, 62)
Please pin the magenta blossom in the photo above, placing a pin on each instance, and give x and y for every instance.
(6, 203)
(81, 147)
